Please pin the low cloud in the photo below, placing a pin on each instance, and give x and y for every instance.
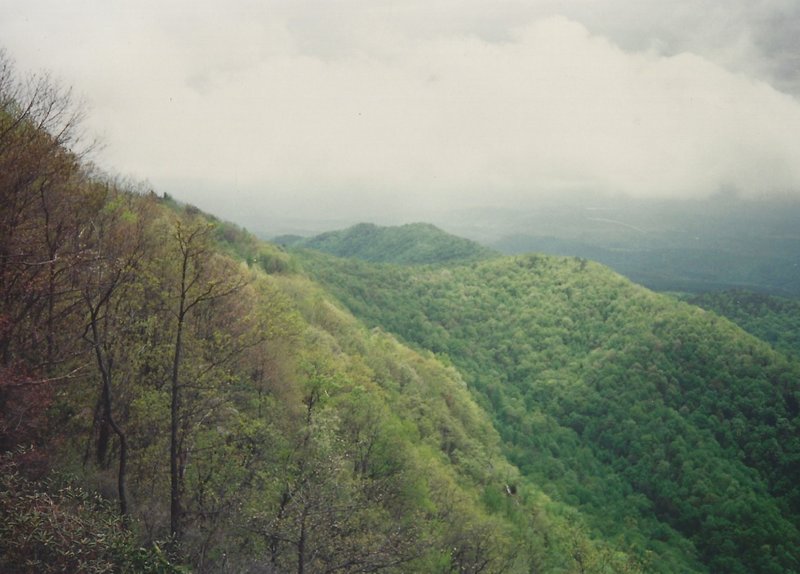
(329, 112)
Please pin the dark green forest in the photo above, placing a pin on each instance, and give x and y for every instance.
(179, 396)
(410, 244)
(775, 320)
(665, 425)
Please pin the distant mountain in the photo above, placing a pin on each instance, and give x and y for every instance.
(410, 244)
(694, 246)
(682, 268)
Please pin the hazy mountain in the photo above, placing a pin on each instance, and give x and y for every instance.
(692, 246)
(680, 245)
(413, 243)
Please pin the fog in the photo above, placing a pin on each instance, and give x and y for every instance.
(276, 113)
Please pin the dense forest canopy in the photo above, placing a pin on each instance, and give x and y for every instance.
(656, 419)
(176, 395)
(775, 320)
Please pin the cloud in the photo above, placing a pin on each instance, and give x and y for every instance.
(384, 106)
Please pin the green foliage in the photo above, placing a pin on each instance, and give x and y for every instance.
(775, 320)
(410, 244)
(667, 426)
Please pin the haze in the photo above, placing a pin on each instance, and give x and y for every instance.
(272, 113)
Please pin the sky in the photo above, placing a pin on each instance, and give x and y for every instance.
(278, 111)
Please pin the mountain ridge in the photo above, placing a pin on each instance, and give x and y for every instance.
(407, 244)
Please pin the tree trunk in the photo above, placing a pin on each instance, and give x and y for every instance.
(174, 450)
(175, 506)
(104, 364)
(301, 545)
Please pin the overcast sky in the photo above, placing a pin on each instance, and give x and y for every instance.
(262, 110)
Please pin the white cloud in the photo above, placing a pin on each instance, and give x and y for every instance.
(362, 106)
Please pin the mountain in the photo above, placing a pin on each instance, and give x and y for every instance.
(775, 320)
(664, 424)
(410, 244)
(692, 245)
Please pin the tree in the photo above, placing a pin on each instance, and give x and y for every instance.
(43, 200)
(322, 513)
(202, 280)
(118, 240)
(38, 206)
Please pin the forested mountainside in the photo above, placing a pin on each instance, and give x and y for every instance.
(775, 320)
(175, 396)
(413, 243)
(666, 425)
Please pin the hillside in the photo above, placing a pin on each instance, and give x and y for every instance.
(775, 320)
(667, 425)
(175, 396)
(410, 244)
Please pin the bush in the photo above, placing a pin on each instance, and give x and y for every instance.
(44, 529)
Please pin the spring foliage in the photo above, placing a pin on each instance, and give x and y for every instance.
(664, 424)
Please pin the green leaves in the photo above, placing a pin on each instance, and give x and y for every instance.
(411, 244)
(602, 391)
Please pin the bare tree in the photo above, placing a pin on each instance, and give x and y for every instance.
(40, 152)
(200, 281)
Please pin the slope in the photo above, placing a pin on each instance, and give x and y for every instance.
(652, 416)
(775, 320)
